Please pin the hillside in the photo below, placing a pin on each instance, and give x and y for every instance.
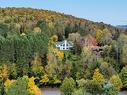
(23, 20)
(122, 26)
(41, 48)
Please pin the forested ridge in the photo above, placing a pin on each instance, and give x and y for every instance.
(26, 19)
(29, 58)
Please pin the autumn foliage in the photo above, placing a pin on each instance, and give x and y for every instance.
(29, 58)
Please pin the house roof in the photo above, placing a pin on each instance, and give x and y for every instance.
(62, 42)
(89, 38)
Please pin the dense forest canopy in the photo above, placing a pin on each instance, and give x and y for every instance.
(28, 54)
(27, 19)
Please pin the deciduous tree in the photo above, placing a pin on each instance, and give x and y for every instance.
(68, 86)
(98, 76)
(123, 76)
(116, 81)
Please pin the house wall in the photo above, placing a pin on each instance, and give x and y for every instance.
(64, 46)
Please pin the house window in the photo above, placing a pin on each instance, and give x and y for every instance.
(63, 48)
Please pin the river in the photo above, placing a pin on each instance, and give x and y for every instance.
(50, 91)
(56, 91)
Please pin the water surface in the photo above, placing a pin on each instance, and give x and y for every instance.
(50, 91)
(56, 91)
(123, 93)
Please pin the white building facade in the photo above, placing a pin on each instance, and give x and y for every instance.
(64, 45)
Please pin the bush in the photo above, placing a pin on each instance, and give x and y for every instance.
(81, 83)
(78, 92)
(93, 87)
(68, 86)
(108, 89)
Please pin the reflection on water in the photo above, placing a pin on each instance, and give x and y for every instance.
(56, 91)
(123, 93)
(50, 91)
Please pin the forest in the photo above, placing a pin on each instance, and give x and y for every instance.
(29, 59)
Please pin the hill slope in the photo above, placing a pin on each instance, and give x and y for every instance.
(23, 20)
(122, 26)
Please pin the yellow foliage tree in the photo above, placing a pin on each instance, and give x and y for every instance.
(58, 53)
(116, 81)
(98, 76)
(33, 89)
(36, 65)
(104, 37)
(50, 25)
(53, 40)
(56, 80)
(44, 79)
(4, 72)
(51, 57)
(8, 83)
(37, 29)
(99, 35)
(23, 34)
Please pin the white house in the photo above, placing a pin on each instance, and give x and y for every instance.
(64, 45)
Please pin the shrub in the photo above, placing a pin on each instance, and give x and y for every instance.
(44, 79)
(68, 86)
(78, 92)
(93, 87)
(81, 82)
(108, 89)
